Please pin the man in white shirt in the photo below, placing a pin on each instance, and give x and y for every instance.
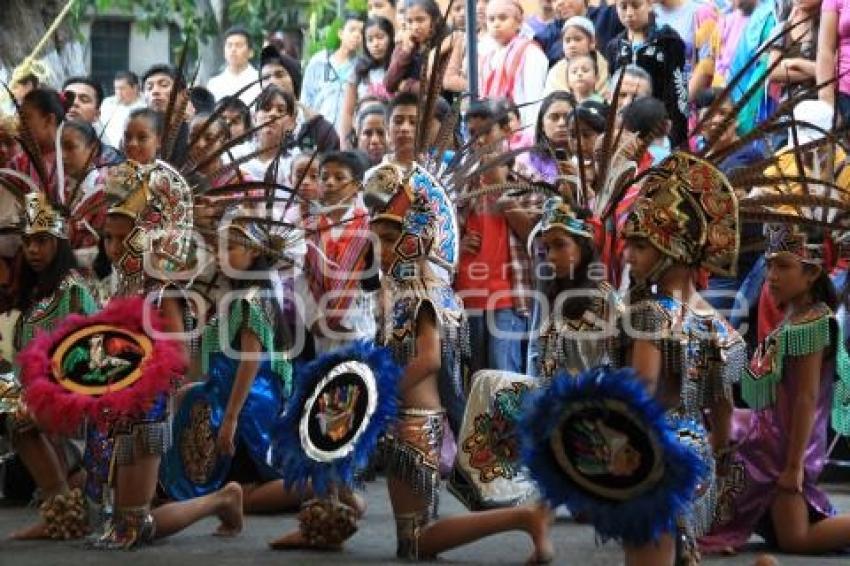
(239, 72)
(116, 108)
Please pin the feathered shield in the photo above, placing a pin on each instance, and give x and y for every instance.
(103, 367)
(343, 401)
(601, 445)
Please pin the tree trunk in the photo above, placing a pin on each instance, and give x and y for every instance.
(24, 23)
(211, 50)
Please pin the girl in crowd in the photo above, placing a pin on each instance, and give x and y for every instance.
(371, 131)
(49, 289)
(587, 123)
(84, 185)
(579, 38)
(41, 113)
(142, 135)
(368, 77)
(425, 24)
(551, 137)
(507, 114)
(686, 353)
(780, 446)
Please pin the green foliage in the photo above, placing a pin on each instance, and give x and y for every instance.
(193, 19)
(198, 23)
(325, 24)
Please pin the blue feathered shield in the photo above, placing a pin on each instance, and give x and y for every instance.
(601, 445)
(343, 401)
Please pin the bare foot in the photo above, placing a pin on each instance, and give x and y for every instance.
(33, 532)
(539, 520)
(290, 541)
(766, 560)
(354, 501)
(230, 510)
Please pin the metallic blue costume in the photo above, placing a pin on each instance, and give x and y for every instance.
(193, 467)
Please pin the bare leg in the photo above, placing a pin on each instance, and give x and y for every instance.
(662, 553)
(226, 503)
(796, 535)
(271, 497)
(136, 482)
(452, 532)
(40, 458)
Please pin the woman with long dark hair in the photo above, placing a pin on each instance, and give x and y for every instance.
(551, 139)
(85, 180)
(41, 112)
(369, 71)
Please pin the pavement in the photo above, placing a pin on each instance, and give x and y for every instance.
(373, 544)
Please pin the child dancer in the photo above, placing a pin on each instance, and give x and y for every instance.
(50, 289)
(224, 425)
(579, 38)
(420, 318)
(150, 214)
(579, 332)
(686, 353)
(780, 446)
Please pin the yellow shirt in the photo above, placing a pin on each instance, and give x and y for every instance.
(787, 166)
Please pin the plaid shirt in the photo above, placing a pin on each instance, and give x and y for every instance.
(522, 266)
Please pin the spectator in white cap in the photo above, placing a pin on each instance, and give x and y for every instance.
(579, 39)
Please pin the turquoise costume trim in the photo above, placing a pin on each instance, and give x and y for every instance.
(803, 335)
(72, 296)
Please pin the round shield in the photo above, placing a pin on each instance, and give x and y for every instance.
(343, 401)
(100, 359)
(601, 445)
(338, 411)
(100, 367)
(605, 448)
